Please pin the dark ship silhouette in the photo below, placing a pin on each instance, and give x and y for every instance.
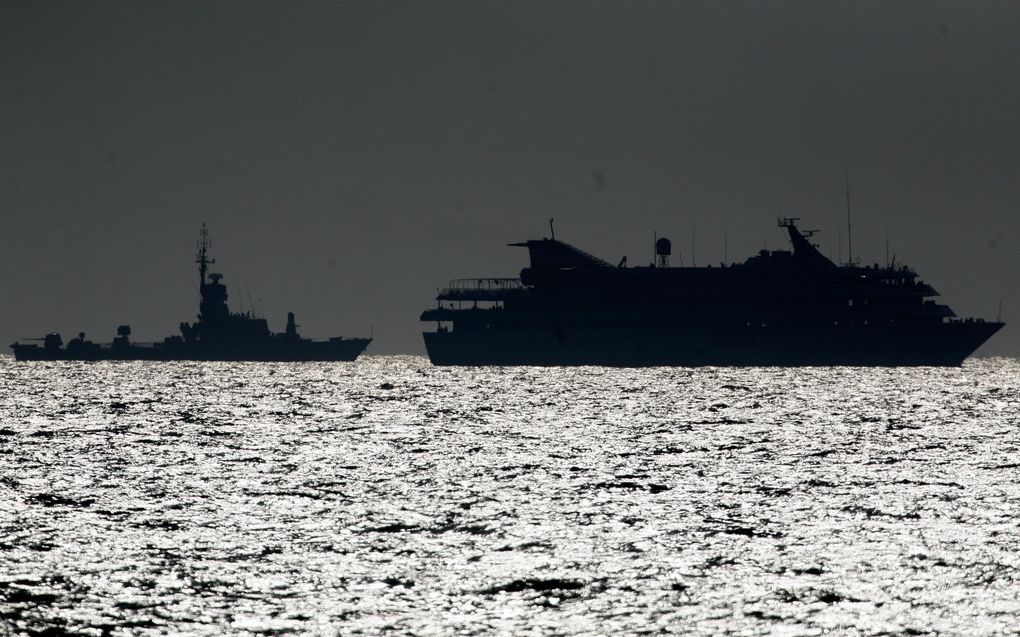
(778, 308)
(218, 335)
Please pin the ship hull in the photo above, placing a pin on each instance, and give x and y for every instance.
(346, 349)
(930, 344)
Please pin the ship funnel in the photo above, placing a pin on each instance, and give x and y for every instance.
(663, 248)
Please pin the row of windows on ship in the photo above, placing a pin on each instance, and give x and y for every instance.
(458, 305)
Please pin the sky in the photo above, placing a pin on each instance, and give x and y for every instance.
(350, 158)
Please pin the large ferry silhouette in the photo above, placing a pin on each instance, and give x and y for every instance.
(218, 335)
(781, 307)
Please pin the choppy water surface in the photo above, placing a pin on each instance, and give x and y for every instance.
(388, 496)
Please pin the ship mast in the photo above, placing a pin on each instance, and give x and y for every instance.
(202, 258)
(849, 228)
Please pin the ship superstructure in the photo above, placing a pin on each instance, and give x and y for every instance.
(218, 334)
(780, 307)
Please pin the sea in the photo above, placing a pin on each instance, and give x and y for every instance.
(391, 497)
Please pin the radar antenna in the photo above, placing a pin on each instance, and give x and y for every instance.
(663, 248)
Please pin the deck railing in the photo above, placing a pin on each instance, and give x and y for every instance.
(489, 289)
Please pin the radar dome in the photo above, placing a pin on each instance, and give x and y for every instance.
(663, 247)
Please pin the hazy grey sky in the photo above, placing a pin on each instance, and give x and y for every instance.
(350, 158)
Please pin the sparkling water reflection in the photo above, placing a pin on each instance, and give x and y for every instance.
(390, 496)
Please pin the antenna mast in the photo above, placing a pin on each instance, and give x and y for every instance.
(552, 230)
(725, 240)
(849, 235)
(202, 258)
(251, 303)
(694, 264)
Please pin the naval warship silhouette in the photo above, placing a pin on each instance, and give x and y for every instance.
(777, 308)
(218, 335)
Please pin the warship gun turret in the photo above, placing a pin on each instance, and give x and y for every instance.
(781, 308)
(217, 335)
